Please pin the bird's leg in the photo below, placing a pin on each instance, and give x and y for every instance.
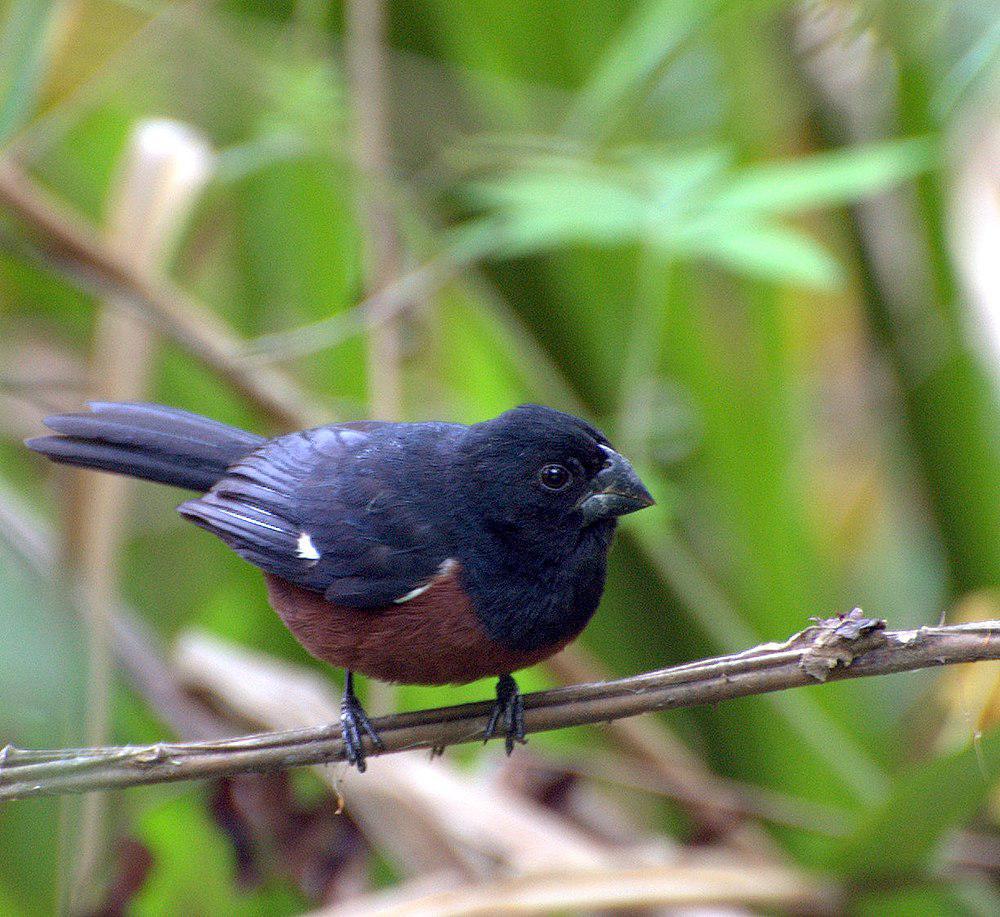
(509, 710)
(354, 724)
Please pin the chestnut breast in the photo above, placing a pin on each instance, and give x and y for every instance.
(433, 638)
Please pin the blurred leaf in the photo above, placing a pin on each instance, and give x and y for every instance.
(975, 63)
(828, 179)
(903, 833)
(194, 868)
(644, 44)
(968, 897)
(42, 672)
(774, 253)
(508, 47)
(691, 206)
(23, 47)
(953, 47)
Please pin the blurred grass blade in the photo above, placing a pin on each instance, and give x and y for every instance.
(655, 32)
(710, 884)
(828, 179)
(692, 205)
(42, 677)
(775, 253)
(831, 740)
(968, 69)
(903, 833)
(26, 34)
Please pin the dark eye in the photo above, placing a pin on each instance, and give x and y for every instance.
(554, 477)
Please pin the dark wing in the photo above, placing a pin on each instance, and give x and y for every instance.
(328, 509)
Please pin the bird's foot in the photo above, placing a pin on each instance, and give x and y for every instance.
(355, 725)
(509, 711)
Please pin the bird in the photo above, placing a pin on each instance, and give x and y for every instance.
(427, 553)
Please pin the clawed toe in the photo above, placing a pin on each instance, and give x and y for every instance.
(508, 710)
(355, 725)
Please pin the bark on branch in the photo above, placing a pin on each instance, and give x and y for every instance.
(851, 646)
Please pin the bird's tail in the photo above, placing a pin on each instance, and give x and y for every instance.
(148, 441)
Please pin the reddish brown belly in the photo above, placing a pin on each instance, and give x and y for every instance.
(433, 639)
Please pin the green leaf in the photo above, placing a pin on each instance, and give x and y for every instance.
(645, 43)
(23, 47)
(902, 835)
(775, 253)
(688, 205)
(545, 210)
(967, 897)
(828, 179)
(42, 670)
(194, 867)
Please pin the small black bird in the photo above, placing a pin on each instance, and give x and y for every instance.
(418, 553)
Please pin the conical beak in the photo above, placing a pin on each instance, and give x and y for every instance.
(615, 491)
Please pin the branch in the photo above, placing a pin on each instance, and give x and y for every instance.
(851, 646)
(70, 241)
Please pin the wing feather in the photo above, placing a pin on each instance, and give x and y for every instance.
(366, 546)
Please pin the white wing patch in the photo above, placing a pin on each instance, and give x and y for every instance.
(413, 593)
(305, 549)
(444, 570)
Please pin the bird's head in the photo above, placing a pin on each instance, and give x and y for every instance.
(540, 474)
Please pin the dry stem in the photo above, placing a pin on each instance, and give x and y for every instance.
(851, 647)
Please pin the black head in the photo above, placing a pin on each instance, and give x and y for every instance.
(546, 489)
(544, 476)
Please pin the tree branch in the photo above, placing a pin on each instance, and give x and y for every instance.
(68, 240)
(851, 646)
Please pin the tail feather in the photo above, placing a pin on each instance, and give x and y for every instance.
(148, 441)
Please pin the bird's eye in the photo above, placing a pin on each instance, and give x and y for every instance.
(555, 477)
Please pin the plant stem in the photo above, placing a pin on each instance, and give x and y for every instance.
(834, 649)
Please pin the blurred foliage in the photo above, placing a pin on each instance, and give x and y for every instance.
(654, 204)
(44, 672)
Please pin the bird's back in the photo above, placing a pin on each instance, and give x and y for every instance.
(355, 512)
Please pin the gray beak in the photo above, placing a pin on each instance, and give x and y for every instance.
(615, 491)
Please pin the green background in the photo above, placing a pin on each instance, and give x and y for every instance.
(727, 236)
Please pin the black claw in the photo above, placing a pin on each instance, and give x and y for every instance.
(354, 724)
(509, 708)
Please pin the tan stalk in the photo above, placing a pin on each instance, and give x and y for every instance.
(164, 169)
